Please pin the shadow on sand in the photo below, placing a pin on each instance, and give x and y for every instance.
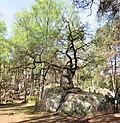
(55, 118)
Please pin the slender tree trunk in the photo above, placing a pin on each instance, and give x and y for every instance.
(32, 83)
(0, 93)
(42, 81)
(116, 88)
(25, 86)
(112, 77)
(0, 83)
(115, 68)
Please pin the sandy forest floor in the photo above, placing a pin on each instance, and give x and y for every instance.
(23, 113)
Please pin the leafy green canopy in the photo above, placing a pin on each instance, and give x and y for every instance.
(107, 40)
(4, 44)
(35, 29)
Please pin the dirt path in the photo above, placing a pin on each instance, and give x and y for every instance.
(20, 113)
(13, 113)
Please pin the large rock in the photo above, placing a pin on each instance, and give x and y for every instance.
(95, 99)
(52, 98)
(57, 99)
(75, 103)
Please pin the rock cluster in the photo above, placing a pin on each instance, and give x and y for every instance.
(71, 100)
